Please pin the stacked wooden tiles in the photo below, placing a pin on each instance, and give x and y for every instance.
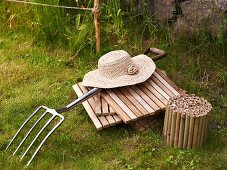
(90, 106)
(141, 100)
(132, 102)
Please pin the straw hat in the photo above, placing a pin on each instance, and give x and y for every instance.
(117, 68)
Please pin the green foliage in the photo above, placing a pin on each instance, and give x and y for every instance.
(183, 160)
(44, 51)
(53, 26)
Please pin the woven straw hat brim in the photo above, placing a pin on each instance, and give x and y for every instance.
(146, 69)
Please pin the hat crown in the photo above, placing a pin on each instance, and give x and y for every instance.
(115, 63)
(118, 69)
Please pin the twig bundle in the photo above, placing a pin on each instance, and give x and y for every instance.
(186, 121)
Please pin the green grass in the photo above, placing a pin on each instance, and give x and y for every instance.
(33, 75)
(38, 66)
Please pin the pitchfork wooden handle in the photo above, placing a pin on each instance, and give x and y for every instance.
(159, 54)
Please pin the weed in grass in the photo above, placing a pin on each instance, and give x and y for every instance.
(183, 160)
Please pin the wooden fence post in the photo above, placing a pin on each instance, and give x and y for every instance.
(97, 25)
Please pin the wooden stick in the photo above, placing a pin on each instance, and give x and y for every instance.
(111, 110)
(169, 126)
(105, 111)
(195, 133)
(166, 122)
(186, 130)
(207, 126)
(203, 130)
(181, 133)
(97, 25)
(200, 130)
(190, 133)
(98, 106)
(173, 126)
(176, 138)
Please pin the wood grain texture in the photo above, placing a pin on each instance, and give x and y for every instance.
(166, 83)
(124, 106)
(98, 105)
(111, 120)
(140, 100)
(154, 95)
(179, 90)
(105, 108)
(136, 103)
(146, 98)
(157, 88)
(89, 109)
(116, 107)
(162, 86)
(128, 103)
(104, 121)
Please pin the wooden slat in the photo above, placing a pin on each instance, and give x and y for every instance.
(117, 119)
(162, 86)
(111, 120)
(128, 103)
(92, 102)
(126, 109)
(85, 90)
(105, 110)
(179, 90)
(152, 96)
(156, 87)
(146, 98)
(117, 108)
(98, 106)
(112, 111)
(89, 109)
(156, 93)
(104, 121)
(166, 83)
(134, 101)
(140, 100)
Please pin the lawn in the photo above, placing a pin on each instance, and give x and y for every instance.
(33, 75)
(41, 58)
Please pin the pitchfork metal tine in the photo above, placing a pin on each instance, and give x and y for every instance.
(30, 131)
(55, 113)
(55, 127)
(47, 123)
(25, 124)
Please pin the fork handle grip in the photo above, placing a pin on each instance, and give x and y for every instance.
(159, 54)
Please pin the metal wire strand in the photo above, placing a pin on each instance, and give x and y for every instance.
(49, 5)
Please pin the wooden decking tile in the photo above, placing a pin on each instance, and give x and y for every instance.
(91, 108)
(134, 102)
(129, 103)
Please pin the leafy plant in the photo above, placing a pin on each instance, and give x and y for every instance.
(183, 160)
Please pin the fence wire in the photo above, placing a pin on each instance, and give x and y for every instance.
(50, 5)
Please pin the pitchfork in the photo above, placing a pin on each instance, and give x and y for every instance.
(56, 113)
